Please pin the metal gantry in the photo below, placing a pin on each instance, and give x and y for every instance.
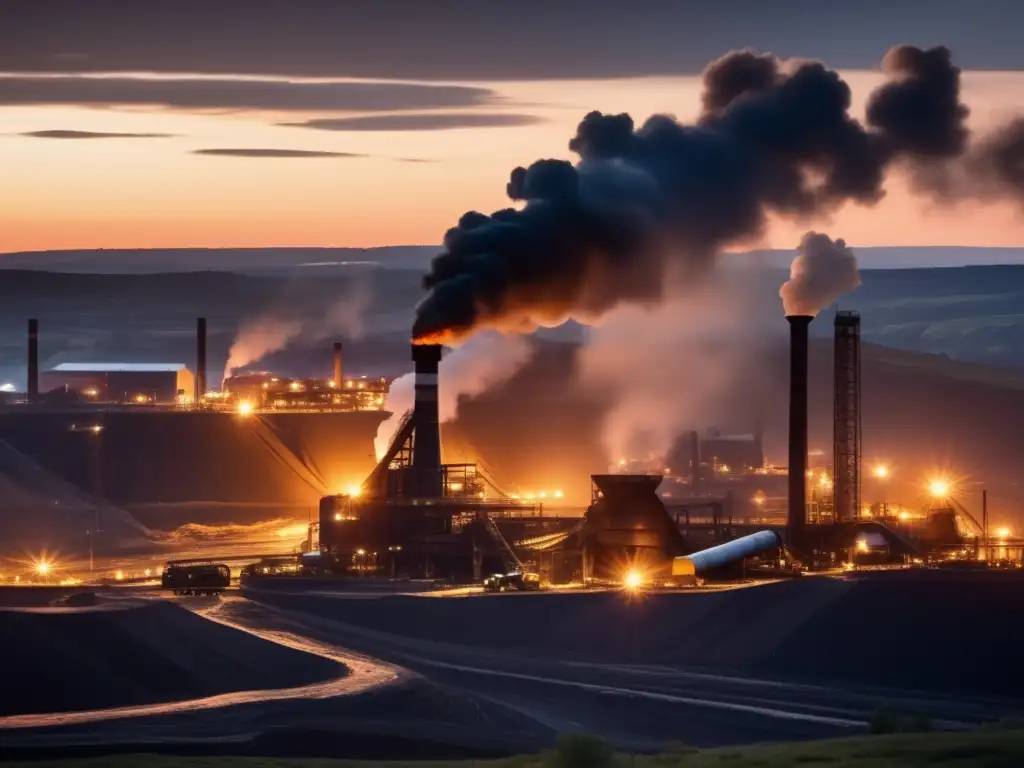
(847, 427)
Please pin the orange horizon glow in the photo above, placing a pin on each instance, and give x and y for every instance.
(138, 194)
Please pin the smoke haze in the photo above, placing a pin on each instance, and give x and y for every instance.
(774, 138)
(484, 361)
(673, 367)
(822, 271)
(269, 333)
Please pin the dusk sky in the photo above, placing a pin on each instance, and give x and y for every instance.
(176, 124)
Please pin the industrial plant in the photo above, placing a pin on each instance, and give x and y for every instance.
(650, 521)
(176, 385)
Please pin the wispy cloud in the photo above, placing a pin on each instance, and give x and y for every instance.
(237, 94)
(444, 121)
(273, 153)
(68, 134)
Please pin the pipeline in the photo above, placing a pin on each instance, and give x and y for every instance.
(723, 554)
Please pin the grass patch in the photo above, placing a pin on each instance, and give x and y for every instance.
(984, 748)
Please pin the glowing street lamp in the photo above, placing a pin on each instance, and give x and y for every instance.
(939, 488)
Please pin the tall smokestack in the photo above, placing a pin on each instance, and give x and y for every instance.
(33, 360)
(200, 360)
(694, 463)
(426, 447)
(337, 364)
(799, 332)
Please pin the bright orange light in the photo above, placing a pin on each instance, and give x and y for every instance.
(862, 545)
(119, 576)
(244, 408)
(42, 567)
(559, 494)
(353, 490)
(292, 530)
(1003, 533)
(939, 488)
(881, 471)
(633, 579)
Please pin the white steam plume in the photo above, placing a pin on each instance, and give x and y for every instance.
(823, 270)
(257, 338)
(676, 366)
(268, 333)
(486, 360)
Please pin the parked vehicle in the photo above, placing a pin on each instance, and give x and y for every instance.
(206, 579)
(503, 582)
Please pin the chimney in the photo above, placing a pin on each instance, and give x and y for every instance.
(200, 360)
(426, 447)
(694, 463)
(799, 328)
(33, 360)
(337, 364)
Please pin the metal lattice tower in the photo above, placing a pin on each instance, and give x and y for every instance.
(847, 428)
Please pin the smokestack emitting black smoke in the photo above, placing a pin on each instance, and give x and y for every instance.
(645, 204)
(426, 449)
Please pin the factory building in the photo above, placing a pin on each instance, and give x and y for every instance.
(121, 382)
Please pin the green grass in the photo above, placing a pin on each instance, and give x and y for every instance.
(984, 748)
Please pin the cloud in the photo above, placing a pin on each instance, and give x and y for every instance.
(58, 133)
(237, 94)
(272, 153)
(459, 40)
(431, 122)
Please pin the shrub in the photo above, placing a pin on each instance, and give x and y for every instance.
(581, 750)
(887, 720)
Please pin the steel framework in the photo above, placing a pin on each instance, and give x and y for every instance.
(846, 409)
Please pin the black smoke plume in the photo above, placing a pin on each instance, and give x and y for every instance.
(647, 203)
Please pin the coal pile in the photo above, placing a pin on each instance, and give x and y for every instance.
(65, 660)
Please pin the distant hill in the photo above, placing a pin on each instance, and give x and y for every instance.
(316, 260)
(973, 313)
(296, 261)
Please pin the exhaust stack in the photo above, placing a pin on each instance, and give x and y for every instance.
(799, 332)
(32, 389)
(426, 448)
(200, 387)
(337, 364)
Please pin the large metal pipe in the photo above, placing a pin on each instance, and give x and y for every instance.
(200, 387)
(799, 342)
(32, 388)
(336, 378)
(426, 446)
(723, 554)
